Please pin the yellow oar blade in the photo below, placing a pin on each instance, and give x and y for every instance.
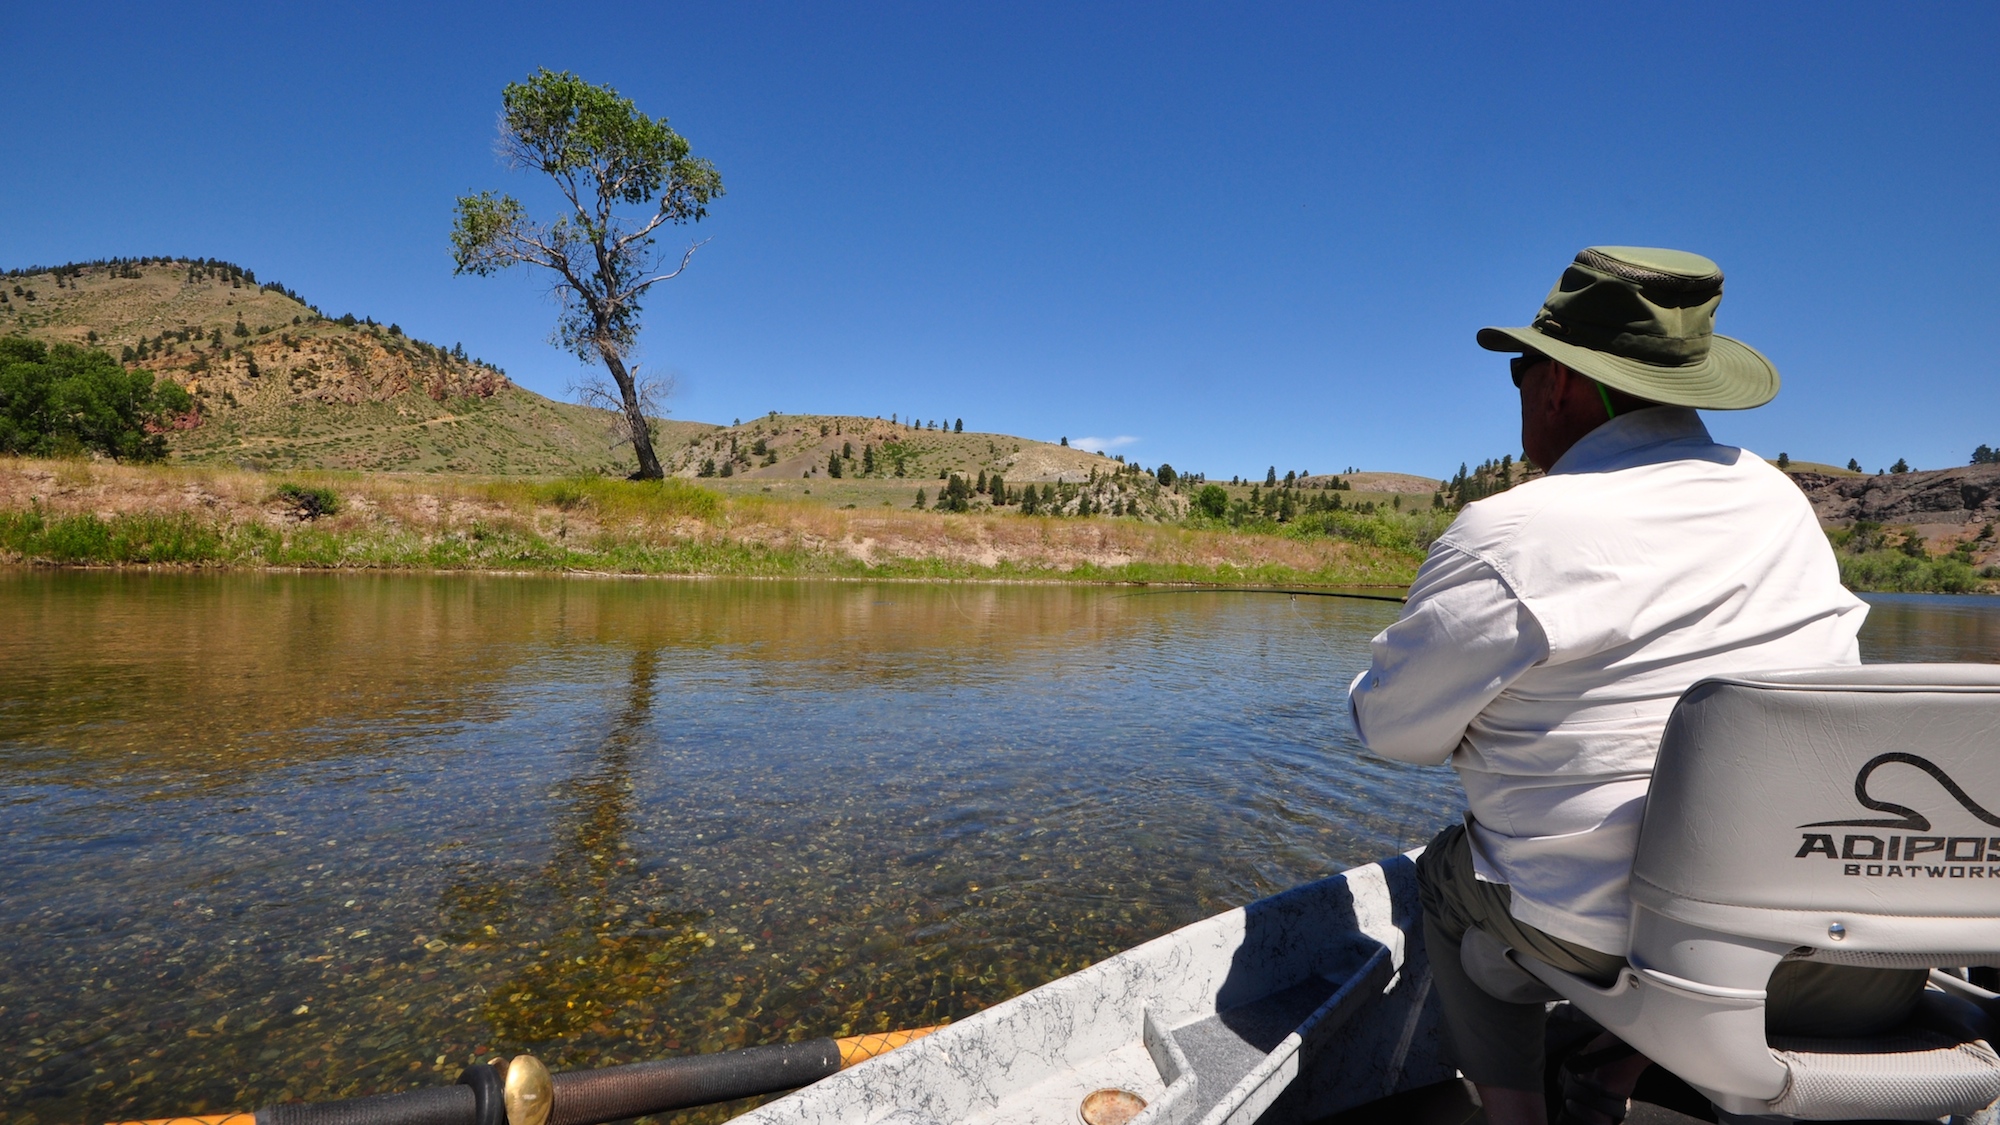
(856, 1048)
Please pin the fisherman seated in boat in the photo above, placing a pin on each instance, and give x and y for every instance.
(1551, 630)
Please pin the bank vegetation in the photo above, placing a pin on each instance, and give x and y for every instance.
(97, 513)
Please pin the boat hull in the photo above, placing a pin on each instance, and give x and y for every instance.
(1293, 1007)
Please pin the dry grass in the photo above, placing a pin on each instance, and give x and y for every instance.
(231, 517)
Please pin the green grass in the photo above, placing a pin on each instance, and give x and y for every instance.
(506, 544)
(612, 499)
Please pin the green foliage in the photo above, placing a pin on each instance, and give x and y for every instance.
(1489, 478)
(1409, 533)
(1853, 466)
(309, 501)
(955, 496)
(996, 487)
(919, 505)
(1165, 473)
(1901, 466)
(1212, 501)
(1986, 455)
(833, 465)
(958, 426)
(1897, 572)
(601, 153)
(65, 400)
(1784, 460)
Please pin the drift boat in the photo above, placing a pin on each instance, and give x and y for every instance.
(1297, 1006)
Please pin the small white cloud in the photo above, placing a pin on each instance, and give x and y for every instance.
(1103, 444)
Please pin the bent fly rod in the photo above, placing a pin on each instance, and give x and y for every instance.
(521, 1091)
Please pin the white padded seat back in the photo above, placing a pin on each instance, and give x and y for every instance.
(1850, 809)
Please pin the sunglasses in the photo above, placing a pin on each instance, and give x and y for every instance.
(1519, 365)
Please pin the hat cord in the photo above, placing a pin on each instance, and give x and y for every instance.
(1609, 413)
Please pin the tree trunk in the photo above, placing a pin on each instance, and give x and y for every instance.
(635, 419)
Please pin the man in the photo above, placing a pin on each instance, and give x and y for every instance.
(1552, 628)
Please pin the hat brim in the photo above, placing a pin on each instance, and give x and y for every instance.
(1733, 376)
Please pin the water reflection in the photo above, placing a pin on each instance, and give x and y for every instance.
(315, 836)
(1930, 628)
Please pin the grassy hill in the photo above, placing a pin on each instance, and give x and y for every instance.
(280, 385)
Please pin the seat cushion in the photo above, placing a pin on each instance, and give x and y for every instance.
(1939, 1062)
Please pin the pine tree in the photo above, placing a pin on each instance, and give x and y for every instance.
(997, 487)
(846, 448)
(919, 505)
(958, 427)
(1271, 477)
(729, 468)
(833, 466)
(980, 487)
(1901, 466)
(1853, 466)
(868, 460)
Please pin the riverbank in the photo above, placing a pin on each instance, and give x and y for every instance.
(81, 513)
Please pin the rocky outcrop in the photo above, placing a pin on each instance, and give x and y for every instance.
(1932, 498)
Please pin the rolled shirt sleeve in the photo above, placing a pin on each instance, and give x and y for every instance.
(1462, 639)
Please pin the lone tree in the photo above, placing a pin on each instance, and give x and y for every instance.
(603, 154)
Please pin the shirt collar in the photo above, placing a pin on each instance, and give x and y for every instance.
(1655, 425)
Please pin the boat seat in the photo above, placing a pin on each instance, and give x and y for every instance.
(1842, 815)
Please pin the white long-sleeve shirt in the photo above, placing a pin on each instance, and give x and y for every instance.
(1551, 629)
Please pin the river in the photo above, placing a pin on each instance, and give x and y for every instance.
(302, 836)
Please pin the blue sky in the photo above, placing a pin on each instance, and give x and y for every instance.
(1233, 236)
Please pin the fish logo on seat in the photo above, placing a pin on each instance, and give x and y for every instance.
(1906, 818)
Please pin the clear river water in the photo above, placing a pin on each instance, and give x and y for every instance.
(272, 837)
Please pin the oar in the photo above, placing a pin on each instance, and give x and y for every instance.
(1267, 590)
(521, 1091)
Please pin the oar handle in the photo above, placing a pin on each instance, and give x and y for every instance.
(591, 1097)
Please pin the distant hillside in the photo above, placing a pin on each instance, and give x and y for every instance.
(799, 446)
(281, 385)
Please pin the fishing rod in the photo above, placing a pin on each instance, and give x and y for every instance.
(521, 1091)
(1268, 590)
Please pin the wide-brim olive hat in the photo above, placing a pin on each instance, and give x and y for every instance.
(1643, 320)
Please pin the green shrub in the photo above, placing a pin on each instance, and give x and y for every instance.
(1892, 571)
(309, 501)
(1410, 532)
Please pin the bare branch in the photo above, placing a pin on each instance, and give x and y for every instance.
(685, 259)
(599, 393)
